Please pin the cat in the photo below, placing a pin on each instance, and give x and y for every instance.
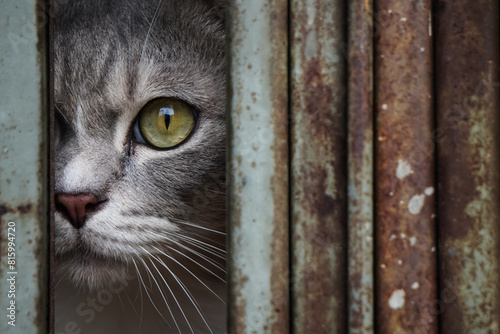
(139, 94)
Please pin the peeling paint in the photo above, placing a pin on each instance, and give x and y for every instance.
(468, 158)
(397, 299)
(415, 204)
(403, 169)
(429, 191)
(413, 241)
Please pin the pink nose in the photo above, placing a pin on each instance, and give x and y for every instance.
(76, 207)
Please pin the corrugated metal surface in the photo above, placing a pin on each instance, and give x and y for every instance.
(318, 167)
(330, 295)
(360, 163)
(405, 225)
(23, 167)
(467, 61)
(258, 166)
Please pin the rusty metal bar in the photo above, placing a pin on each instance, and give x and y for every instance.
(405, 225)
(23, 168)
(52, 282)
(468, 120)
(258, 166)
(318, 168)
(360, 164)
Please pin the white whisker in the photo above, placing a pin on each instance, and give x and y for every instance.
(199, 264)
(153, 21)
(188, 294)
(178, 221)
(202, 245)
(206, 258)
(152, 302)
(61, 114)
(193, 242)
(189, 271)
(168, 287)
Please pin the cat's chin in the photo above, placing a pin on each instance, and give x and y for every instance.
(93, 273)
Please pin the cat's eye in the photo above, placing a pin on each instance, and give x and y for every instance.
(164, 123)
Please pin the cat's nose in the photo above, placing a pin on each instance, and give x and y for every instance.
(77, 207)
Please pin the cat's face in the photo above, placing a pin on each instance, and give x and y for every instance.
(111, 59)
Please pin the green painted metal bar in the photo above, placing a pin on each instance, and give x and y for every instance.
(318, 166)
(406, 261)
(360, 163)
(23, 168)
(468, 120)
(258, 166)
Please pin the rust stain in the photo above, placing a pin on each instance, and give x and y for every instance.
(279, 287)
(468, 160)
(22, 209)
(236, 307)
(406, 279)
(6, 208)
(360, 146)
(318, 168)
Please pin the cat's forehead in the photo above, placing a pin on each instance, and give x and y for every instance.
(117, 57)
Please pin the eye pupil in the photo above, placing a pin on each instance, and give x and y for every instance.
(167, 121)
(168, 112)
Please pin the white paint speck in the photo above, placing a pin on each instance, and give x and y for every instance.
(400, 262)
(397, 299)
(433, 215)
(383, 266)
(413, 241)
(415, 204)
(380, 138)
(401, 202)
(403, 169)
(422, 49)
(391, 194)
(403, 235)
(403, 19)
(384, 106)
(429, 191)
(433, 249)
(5, 150)
(415, 286)
(392, 237)
(390, 11)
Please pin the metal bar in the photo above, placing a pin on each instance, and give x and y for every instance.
(360, 164)
(468, 119)
(405, 227)
(318, 166)
(23, 168)
(52, 207)
(258, 166)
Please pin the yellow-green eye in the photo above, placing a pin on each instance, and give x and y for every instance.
(165, 122)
